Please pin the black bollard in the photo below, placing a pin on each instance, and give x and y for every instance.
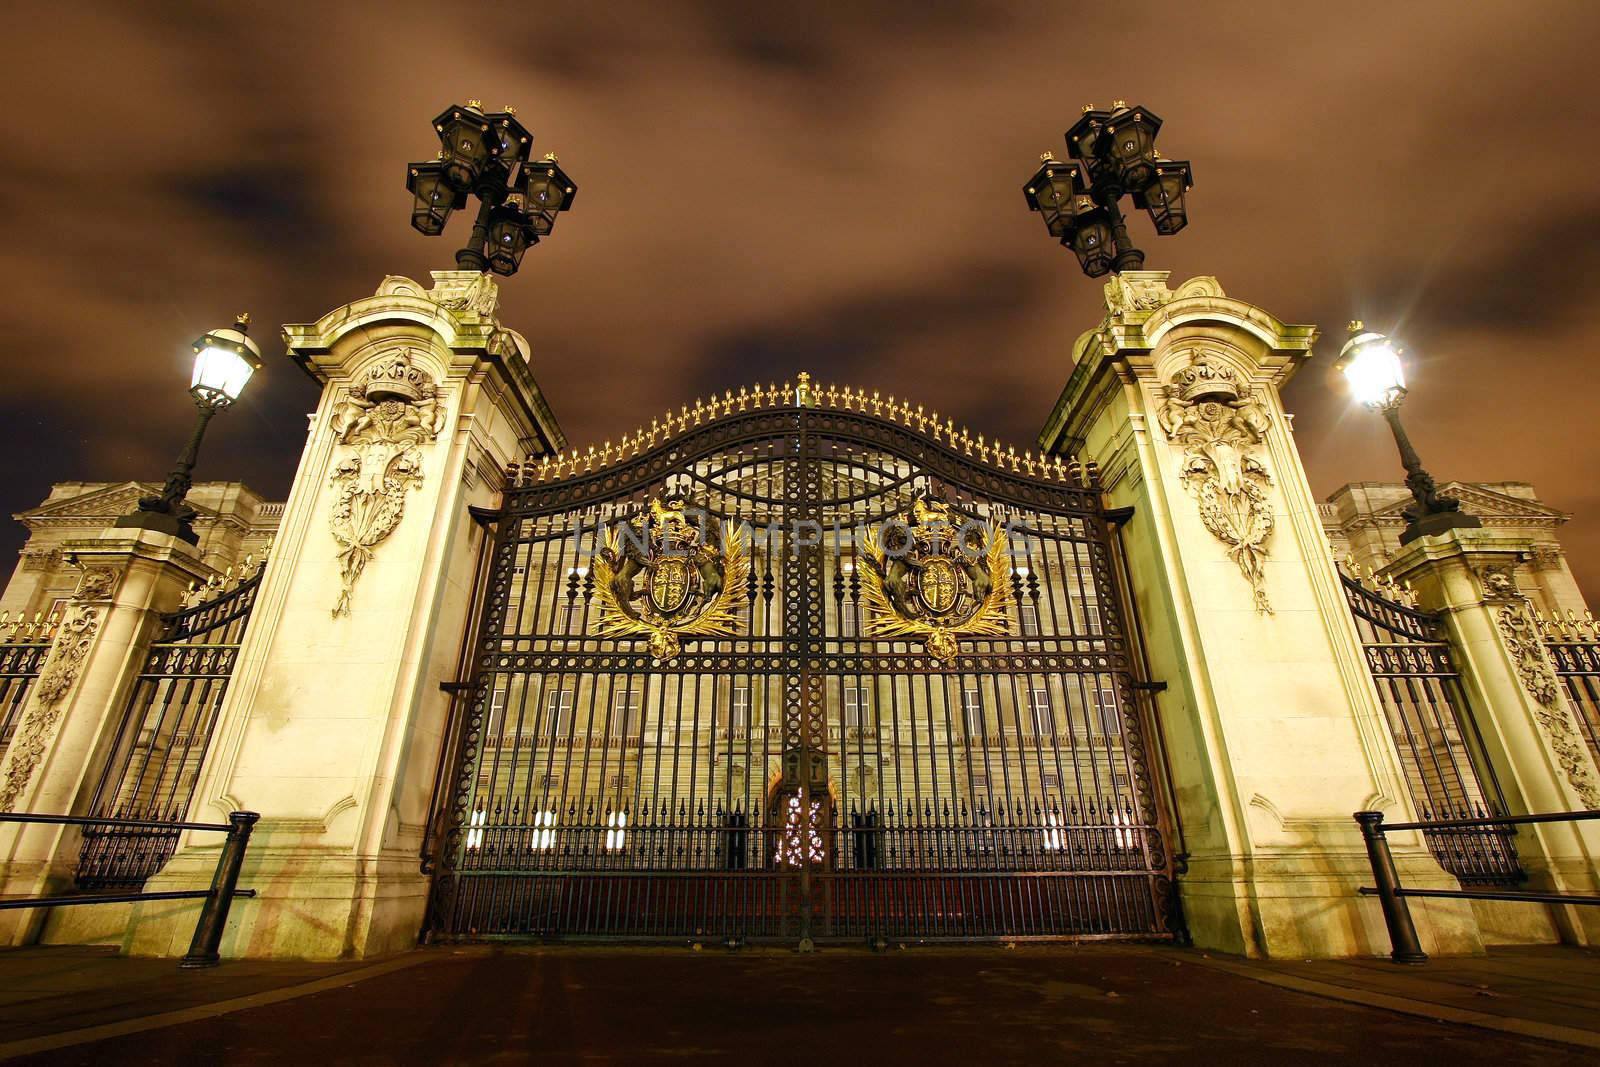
(214, 913)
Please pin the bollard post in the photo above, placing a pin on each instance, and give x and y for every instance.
(1405, 948)
(214, 912)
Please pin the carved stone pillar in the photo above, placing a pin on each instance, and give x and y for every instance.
(333, 721)
(1271, 721)
(1529, 732)
(128, 580)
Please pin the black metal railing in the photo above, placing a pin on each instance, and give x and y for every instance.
(1574, 647)
(1404, 946)
(224, 883)
(1451, 783)
(897, 871)
(161, 742)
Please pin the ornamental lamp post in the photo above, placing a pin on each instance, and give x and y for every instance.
(486, 155)
(1371, 365)
(224, 361)
(1113, 154)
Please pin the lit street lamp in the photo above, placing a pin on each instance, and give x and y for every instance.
(1113, 153)
(1371, 364)
(224, 360)
(487, 156)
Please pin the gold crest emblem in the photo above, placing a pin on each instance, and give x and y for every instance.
(938, 574)
(691, 578)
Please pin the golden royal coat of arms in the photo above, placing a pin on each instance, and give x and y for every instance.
(667, 575)
(939, 574)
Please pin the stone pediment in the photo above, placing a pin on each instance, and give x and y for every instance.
(1495, 509)
(97, 506)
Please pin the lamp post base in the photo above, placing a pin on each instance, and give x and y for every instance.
(1438, 522)
(161, 522)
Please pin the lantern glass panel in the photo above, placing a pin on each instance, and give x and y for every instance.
(1164, 199)
(220, 373)
(1131, 146)
(468, 146)
(434, 198)
(1372, 367)
(508, 239)
(545, 194)
(1091, 242)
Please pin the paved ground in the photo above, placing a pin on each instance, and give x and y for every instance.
(1114, 1004)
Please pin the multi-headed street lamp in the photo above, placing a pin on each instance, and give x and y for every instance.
(487, 156)
(1113, 153)
(224, 360)
(1371, 364)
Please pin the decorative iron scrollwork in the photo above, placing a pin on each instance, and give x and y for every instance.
(691, 576)
(937, 573)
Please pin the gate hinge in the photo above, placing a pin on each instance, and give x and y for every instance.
(1150, 687)
(484, 517)
(1119, 516)
(453, 688)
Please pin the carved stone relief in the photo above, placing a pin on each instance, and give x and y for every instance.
(41, 559)
(381, 425)
(1215, 417)
(61, 670)
(1137, 291)
(1526, 646)
(96, 583)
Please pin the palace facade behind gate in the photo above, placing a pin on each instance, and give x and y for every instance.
(1132, 680)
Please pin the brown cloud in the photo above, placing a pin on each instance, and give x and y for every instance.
(768, 188)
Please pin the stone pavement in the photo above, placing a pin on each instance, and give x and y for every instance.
(1113, 1003)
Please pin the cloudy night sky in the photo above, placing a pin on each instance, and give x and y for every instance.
(836, 188)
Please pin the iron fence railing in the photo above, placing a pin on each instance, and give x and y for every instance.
(1435, 736)
(24, 646)
(207, 940)
(144, 791)
(1574, 647)
(1404, 945)
(955, 873)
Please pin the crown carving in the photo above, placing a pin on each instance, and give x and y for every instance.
(1204, 380)
(396, 379)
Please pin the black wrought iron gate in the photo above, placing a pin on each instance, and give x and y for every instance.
(800, 664)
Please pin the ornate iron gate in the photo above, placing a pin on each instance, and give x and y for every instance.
(1574, 647)
(1435, 735)
(801, 664)
(166, 731)
(24, 647)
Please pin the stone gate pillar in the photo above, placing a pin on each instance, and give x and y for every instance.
(333, 721)
(1272, 724)
(1528, 730)
(129, 579)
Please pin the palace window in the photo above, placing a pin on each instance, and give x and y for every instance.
(627, 706)
(616, 831)
(972, 712)
(1044, 719)
(1028, 615)
(497, 716)
(858, 708)
(1107, 712)
(475, 828)
(544, 832)
(739, 711)
(558, 713)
